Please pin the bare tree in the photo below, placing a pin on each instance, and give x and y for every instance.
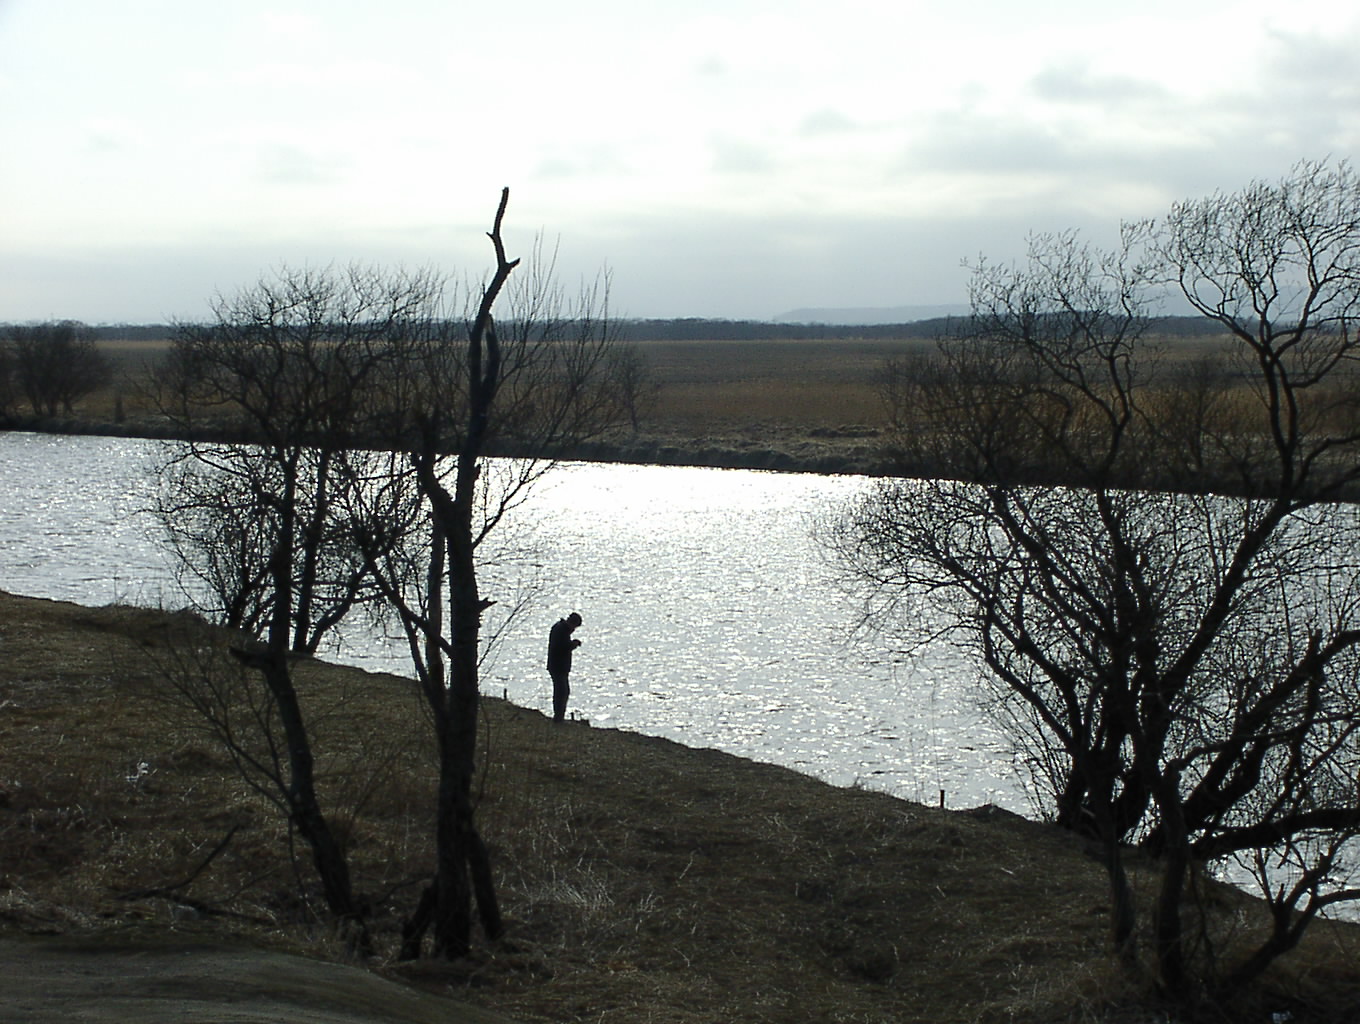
(273, 401)
(339, 432)
(56, 364)
(8, 387)
(636, 387)
(1181, 665)
(528, 385)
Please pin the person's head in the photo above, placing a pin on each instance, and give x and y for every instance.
(573, 620)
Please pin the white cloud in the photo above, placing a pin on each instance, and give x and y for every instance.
(296, 165)
(733, 157)
(825, 121)
(1077, 82)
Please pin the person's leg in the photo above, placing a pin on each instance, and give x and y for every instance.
(561, 691)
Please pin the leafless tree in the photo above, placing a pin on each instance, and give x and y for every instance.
(637, 389)
(8, 387)
(273, 401)
(528, 386)
(339, 440)
(55, 365)
(1145, 552)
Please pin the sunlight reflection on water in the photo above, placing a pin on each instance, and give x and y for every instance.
(708, 616)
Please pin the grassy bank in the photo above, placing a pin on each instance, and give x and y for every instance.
(642, 880)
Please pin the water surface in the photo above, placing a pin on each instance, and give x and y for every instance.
(709, 617)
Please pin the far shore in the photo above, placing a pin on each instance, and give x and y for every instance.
(828, 451)
(848, 451)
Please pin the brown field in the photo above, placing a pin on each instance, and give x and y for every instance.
(787, 404)
(767, 403)
(734, 384)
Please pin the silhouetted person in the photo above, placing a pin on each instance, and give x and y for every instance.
(560, 646)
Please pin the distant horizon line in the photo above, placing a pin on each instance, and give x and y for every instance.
(848, 316)
(695, 329)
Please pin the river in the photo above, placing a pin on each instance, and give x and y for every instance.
(709, 617)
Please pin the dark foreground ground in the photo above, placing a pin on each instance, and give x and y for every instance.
(642, 880)
(186, 981)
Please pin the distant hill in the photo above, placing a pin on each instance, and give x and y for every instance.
(697, 329)
(872, 314)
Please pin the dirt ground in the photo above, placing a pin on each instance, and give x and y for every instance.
(95, 981)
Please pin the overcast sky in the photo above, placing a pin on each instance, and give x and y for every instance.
(723, 158)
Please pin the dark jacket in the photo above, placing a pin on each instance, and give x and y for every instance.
(560, 646)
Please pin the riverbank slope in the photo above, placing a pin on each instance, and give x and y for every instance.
(642, 880)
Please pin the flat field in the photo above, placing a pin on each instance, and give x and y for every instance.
(744, 384)
(738, 382)
(773, 403)
(765, 403)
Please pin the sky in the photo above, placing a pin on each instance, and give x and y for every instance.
(717, 158)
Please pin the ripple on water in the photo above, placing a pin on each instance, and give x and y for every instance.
(706, 618)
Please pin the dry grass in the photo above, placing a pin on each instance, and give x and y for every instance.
(642, 880)
(761, 404)
(769, 403)
(697, 409)
(770, 390)
(732, 383)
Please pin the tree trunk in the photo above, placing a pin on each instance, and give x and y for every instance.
(1123, 915)
(413, 928)
(462, 862)
(453, 893)
(303, 806)
(304, 809)
(484, 887)
(1175, 866)
(1123, 912)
